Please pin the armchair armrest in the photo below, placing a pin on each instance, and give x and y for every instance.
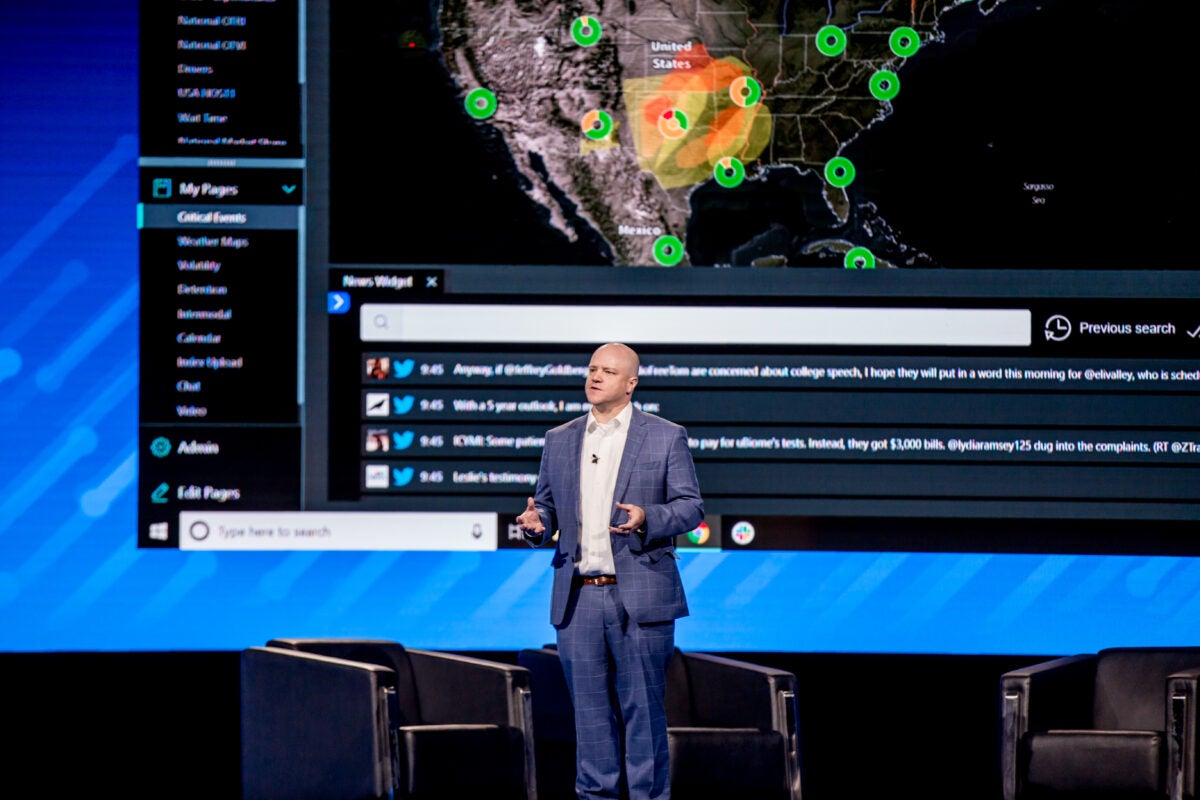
(450, 689)
(1064, 688)
(727, 693)
(554, 713)
(1182, 696)
(456, 689)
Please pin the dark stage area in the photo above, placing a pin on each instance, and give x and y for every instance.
(160, 724)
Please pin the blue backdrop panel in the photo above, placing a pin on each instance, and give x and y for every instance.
(71, 577)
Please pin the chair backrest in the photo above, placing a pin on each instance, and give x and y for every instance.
(314, 727)
(382, 653)
(1131, 682)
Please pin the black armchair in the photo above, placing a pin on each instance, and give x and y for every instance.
(369, 718)
(732, 728)
(1120, 722)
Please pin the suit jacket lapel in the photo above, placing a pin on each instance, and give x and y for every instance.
(633, 446)
(574, 448)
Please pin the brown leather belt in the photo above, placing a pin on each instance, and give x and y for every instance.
(598, 580)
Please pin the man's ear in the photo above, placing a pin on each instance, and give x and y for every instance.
(632, 385)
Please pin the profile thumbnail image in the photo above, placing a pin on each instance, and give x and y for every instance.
(378, 367)
(377, 440)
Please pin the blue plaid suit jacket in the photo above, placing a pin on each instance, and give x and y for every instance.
(657, 474)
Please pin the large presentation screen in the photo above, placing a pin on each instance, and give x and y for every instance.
(909, 279)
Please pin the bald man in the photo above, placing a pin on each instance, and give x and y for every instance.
(617, 486)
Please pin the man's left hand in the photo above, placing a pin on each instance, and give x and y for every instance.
(635, 521)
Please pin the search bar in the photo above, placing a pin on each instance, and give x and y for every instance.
(334, 530)
(694, 325)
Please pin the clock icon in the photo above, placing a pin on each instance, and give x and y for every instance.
(1058, 328)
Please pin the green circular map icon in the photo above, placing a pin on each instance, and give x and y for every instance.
(729, 172)
(860, 258)
(481, 103)
(673, 123)
(668, 250)
(585, 31)
(597, 124)
(904, 42)
(885, 85)
(839, 171)
(831, 40)
(745, 91)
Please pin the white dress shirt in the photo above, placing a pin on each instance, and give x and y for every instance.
(600, 458)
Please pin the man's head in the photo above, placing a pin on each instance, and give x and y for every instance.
(612, 376)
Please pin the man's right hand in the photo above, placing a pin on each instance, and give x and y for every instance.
(530, 520)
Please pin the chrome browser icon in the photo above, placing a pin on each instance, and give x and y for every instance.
(700, 535)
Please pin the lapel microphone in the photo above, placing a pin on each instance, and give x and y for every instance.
(595, 458)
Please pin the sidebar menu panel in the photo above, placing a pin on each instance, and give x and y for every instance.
(221, 184)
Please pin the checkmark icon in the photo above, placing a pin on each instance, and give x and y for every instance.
(1194, 333)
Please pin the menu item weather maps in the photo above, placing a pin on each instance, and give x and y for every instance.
(921, 133)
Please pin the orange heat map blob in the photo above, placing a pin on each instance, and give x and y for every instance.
(716, 127)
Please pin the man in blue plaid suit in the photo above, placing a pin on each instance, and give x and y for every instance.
(615, 487)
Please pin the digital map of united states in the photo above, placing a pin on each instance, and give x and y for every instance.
(615, 113)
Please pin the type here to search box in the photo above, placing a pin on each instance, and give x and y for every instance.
(695, 325)
(337, 530)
